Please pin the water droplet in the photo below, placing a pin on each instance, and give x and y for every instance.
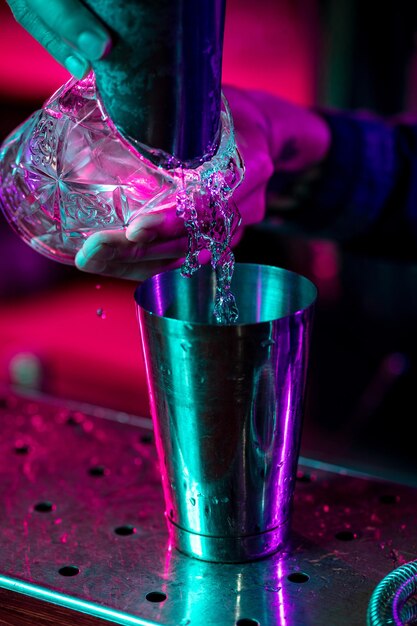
(272, 587)
(101, 313)
(98, 286)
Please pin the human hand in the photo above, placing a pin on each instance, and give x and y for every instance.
(69, 31)
(271, 134)
(152, 243)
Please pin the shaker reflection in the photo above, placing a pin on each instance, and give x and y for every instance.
(249, 594)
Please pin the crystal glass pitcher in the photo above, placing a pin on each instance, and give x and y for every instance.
(68, 172)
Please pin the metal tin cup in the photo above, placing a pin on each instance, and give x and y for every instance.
(227, 405)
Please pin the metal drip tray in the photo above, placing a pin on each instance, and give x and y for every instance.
(82, 526)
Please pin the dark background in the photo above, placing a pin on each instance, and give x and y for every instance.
(361, 403)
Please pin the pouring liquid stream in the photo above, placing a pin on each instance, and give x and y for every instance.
(211, 218)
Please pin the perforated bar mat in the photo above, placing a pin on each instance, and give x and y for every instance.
(82, 526)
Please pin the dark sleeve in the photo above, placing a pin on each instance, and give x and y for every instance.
(367, 189)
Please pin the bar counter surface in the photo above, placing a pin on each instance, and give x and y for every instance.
(83, 535)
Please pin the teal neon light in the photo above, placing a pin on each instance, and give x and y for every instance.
(82, 606)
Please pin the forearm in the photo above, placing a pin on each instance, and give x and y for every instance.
(344, 175)
(367, 184)
(298, 137)
(357, 177)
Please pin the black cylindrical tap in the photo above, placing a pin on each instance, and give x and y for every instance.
(161, 82)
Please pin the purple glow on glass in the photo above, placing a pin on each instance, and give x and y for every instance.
(287, 454)
(160, 303)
